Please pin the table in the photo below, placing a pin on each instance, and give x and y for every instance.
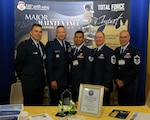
(52, 110)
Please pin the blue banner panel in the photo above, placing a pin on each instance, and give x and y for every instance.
(6, 49)
(139, 36)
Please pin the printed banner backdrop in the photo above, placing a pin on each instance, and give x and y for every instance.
(112, 17)
(88, 16)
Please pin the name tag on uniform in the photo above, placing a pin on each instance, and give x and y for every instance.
(121, 62)
(35, 53)
(75, 62)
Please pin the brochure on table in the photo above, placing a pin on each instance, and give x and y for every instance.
(140, 116)
(121, 114)
(10, 111)
(43, 116)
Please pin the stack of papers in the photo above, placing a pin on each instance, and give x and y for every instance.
(10, 112)
(140, 116)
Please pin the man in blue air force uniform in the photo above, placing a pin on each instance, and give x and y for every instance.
(81, 62)
(58, 55)
(29, 66)
(103, 66)
(126, 75)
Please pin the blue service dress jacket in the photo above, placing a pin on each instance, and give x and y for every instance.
(104, 67)
(81, 64)
(128, 65)
(29, 65)
(57, 62)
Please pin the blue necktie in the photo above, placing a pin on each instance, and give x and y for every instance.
(121, 52)
(40, 50)
(75, 51)
(63, 45)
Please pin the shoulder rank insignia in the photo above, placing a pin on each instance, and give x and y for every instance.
(113, 59)
(137, 59)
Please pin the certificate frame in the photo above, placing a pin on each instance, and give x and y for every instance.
(90, 100)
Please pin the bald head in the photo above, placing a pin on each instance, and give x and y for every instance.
(124, 37)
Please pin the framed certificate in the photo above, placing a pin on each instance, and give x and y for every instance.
(90, 100)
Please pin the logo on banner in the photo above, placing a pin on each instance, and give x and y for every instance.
(21, 5)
